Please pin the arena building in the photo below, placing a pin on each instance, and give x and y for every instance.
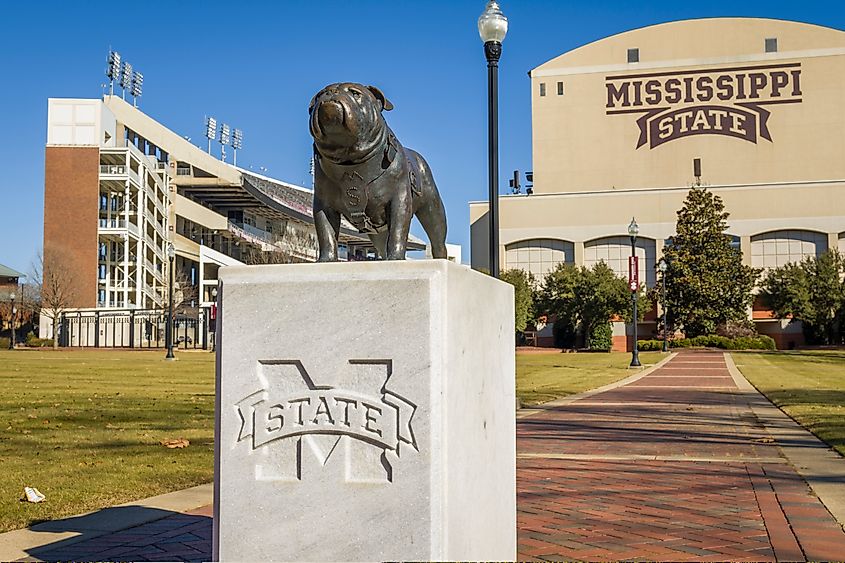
(619, 123)
(121, 187)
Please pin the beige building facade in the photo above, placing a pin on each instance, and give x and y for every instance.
(619, 124)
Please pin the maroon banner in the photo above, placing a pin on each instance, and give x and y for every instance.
(658, 127)
(633, 273)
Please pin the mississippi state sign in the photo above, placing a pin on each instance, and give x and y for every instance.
(731, 101)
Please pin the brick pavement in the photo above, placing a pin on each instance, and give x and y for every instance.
(672, 467)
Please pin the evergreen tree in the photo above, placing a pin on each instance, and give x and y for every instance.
(812, 292)
(707, 283)
(523, 294)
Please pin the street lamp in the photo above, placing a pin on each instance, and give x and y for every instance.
(14, 311)
(213, 319)
(663, 266)
(633, 275)
(492, 27)
(168, 328)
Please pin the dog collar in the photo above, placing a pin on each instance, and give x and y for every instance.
(354, 181)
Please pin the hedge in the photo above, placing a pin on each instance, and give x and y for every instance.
(601, 339)
(759, 342)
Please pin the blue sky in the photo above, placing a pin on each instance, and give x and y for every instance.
(255, 65)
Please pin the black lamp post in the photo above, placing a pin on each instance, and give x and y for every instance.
(168, 328)
(492, 27)
(663, 266)
(633, 231)
(13, 311)
(213, 324)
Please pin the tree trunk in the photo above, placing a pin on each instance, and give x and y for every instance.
(56, 332)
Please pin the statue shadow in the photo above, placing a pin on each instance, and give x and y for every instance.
(123, 533)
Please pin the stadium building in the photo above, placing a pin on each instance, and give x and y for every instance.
(621, 124)
(121, 187)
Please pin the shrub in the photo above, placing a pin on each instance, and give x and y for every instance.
(759, 342)
(601, 337)
(735, 329)
(33, 342)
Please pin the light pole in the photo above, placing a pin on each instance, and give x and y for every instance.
(14, 311)
(663, 266)
(633, 231)
(492, 27)
(168, 328)
(213, 315)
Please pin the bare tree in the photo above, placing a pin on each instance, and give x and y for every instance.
(184, 292)
(54, 287)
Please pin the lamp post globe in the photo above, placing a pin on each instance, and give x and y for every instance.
(663, 266)
(168, 327)
(13, 311)
(492, 27)
(492, 23)
(633, 231)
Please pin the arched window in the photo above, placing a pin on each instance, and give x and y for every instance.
(538, 256)
(778, 248)
(614, 251)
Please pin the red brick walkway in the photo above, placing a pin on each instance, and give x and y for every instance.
(672, 467)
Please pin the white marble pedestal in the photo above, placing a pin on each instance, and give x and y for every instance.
(365, 411)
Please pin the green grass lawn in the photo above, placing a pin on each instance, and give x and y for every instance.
(85, 427)
(808, 385)
(544, 377)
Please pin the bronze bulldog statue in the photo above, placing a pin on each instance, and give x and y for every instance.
(363, 173)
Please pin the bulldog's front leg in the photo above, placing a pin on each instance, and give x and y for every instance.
(401, 212)
(327, 224)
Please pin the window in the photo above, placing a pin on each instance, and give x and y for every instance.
(542, 88)
(771, 44)
(614, 251)
(560, 88)
(633, 55)
(538, 256)
(778, 248)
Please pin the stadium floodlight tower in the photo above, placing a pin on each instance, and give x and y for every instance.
(210, 131)
(225, 139)
(126, 78)
(137, 87)
(237, 143)
(113, 70)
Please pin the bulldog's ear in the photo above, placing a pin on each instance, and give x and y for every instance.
(385, 103)
(311, 105)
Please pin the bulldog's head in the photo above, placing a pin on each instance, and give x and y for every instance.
(346, 121)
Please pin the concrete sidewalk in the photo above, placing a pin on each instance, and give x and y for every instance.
(171, 527)
(688, 463)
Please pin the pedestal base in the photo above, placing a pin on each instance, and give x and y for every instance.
(365, 412)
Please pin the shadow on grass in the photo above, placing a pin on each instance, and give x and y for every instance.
(125, 533)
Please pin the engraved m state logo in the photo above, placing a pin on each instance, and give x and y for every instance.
(360, 417)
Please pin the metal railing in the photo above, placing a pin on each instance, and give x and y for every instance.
(134, 328)
(155, 271)
(253, 234)
(113, 169)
